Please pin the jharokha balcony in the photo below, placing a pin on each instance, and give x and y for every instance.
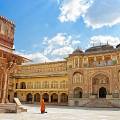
(101, 63)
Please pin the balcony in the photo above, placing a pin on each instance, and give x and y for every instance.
(101, 63)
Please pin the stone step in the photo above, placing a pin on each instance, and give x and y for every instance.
(3, 111)
(8, 108)
(99, 103)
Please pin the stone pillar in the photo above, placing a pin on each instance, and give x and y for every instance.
(5, 87)
(32, 97)
(41, 96)
(59, 98)
(49, 98)
(78, 62)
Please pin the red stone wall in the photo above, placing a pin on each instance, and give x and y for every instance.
(6, 33)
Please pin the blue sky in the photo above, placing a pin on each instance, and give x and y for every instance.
(48, 30)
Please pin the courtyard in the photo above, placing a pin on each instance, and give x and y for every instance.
(64, 113)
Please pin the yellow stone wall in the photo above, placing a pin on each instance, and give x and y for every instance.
(47, 78)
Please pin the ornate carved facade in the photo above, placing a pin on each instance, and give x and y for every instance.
(82, 77)
(8, 60)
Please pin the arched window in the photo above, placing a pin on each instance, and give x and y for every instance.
(45, 97)
(16, 86)
(77, 78)
(29, 97)
(54, 84)
(64, 98)
(37, 85)
(37, 97)
(54, 97)
(29, 85)
(76, 62)
(22, 85)
(78, 92)
(45, 84)
(62, 84)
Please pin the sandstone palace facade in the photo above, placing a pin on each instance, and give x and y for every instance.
(90, 78)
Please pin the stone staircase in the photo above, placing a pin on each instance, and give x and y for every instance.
(11, 108)
(100, 103)
(8, 108)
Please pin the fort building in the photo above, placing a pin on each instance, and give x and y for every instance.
(84, 78)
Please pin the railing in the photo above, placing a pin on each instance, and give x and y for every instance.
(101, 64)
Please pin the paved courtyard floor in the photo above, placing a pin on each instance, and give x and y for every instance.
(64, 113)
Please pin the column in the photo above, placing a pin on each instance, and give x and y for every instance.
(32, 97)
(59, 98)
(49, 98)
(94, 61)
(5, 87)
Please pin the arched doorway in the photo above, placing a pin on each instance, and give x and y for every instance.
(102, 92)
(37, 97)
(45, 97)
(78, 92)
(100, 85)
(54, 98)
(29, 97)
(64, 98)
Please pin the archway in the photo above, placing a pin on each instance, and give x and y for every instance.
(37, 97)
(45, 97)
(29, 97)
(78, 92)
(102, 92)
(100, 81)
(64, 98)
(54, 98)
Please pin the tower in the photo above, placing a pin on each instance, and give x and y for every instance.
(8, 60)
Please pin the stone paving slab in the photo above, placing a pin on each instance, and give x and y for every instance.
(64, 113)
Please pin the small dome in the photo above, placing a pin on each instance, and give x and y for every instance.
(100, 48)
(77, 51)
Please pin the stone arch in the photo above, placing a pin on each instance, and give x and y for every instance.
(54, 98)
(37, 97)
(80, 72)
(45, 96)
(22, 85)
(77, 78)
(78, 92)
(64, 98)
(98, 81)
(29, 97)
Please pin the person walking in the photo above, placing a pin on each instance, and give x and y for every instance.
(42, 106)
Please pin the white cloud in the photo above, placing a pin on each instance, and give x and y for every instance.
(95, 13)
(103, 13)
(71, 10)
(55, 48)
(62, 51)
(97, 40)
(60, 45)
(35, 57)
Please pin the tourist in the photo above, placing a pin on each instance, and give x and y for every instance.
(42, 106)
